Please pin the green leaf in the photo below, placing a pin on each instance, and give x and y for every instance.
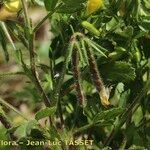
(106, 148)
(119, 53)
(24, 129)
(117, 94)
(75, 2)
(1, 111)
(112, 24)
(101, 51)
(21, 130)
(70, 9)
(119, 71)
(127, 32)
(50, 4)
(145, 23)
(133, 147)
(39, 2)
(146, 4)
(107, 115)
(53, 131)
(49, 82)
(81, 55)
(69, 54)
(31, 124)
(45, 113)
(124, 98)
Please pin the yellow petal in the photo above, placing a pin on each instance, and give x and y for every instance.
(13, 5)
(5, 14)
(104, 98)
(93, 5)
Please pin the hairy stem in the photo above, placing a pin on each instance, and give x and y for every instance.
(6, 123)
(12, 108)
(8, 35)
(27, 19)
(34, 71)
(45, 18)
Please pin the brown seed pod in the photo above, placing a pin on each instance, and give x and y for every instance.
(97, 80)
(77, 78)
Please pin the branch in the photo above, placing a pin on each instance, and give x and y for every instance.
(34, 71)
(27, 19)
(8, 35)
(125, 115)
(12, 108)
(45, 18)
(7, 124)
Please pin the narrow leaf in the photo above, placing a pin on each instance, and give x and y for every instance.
(50, 4)
(45, 113)
(119, 71)
(108, 114)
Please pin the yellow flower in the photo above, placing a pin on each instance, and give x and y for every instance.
(104, 96)
(9, 9)
(13, 5)
(93, 5)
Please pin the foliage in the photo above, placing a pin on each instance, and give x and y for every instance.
(94, 81)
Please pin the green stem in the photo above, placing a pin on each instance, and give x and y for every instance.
(68, 55)
(27, 19)
(3, 75)
(67, 58)
(83, 128)
(7, 124)
(125, 115)
(34, 71)
(88, 126)
(31, 47)
(19, 37)
(12, 108)
(60, 112)
(57, 92)
(123, 144)
(8, 35)
(45, 18)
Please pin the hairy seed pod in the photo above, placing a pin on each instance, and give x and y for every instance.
(97, 80)
(76, 74)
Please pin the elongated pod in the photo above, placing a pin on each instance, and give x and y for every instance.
(97, 80)
(77, 78)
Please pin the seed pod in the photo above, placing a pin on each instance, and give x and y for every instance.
(76, 74)
(97, 80)
(90, 27)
